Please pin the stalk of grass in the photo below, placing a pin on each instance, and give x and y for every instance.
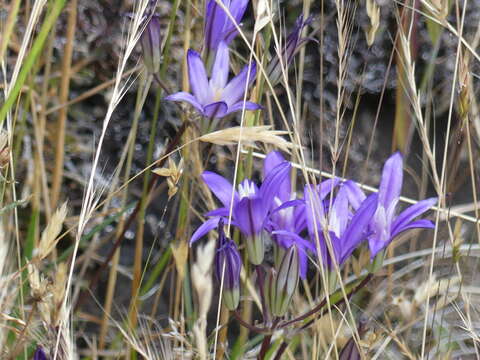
(64, 91)
(186, 191)
(142, 93)
(90, 197)
(42, 121)
(12, 89)
(93, 91)
(9, 26)
(30, 60)
(147, 187)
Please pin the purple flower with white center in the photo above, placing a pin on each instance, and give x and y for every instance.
(218, 25)
(217, 97)
(229, 263)
(385, 224)
(345, 232)
(292, 45)
(288, 219)
(250, 209)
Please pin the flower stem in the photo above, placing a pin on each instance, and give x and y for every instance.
(260, 282)
(324, 301)
(281, 350)
(250, 327)
(267, 339)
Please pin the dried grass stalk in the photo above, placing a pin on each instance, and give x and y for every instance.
(202, 282)
(248, 137)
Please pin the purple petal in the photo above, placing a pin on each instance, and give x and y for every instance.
(205, 228)
(338, 216)
(215, 22)
(326, 186)
(322, 252)
(297, 239)
(235, 89)
(354, 193)
(315, 212)
(303, 260)
(392, 179)
(228, 257)
(197, 76)
(237, 10)
(288, 204)
(411, 213)
(184, 96)
(427, 224)
(300, 218)
(355, 232)
(221, 187)
(250, 215)
(239, 106)
(39, 354)
(271, 185)
(218, 212)
(273, 159)
(220, 67)
(215, 110)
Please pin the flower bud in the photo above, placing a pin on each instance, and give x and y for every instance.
(286, 282)
(228, 264)
(151, 40)
(269, 290)
(39, 354)
(231, 298)
(292, 44)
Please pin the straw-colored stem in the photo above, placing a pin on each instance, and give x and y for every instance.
(9, 25)
(62, 115)
(138, 257)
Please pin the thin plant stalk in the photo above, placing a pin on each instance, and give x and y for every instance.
(9, 26)
(138, 257)
(64, 91)
(30, 60)
(112, 277)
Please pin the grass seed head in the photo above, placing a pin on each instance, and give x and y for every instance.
(51, 232)
(373, 12)
(248, 136)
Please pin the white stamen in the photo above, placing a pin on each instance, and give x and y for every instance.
(246, 189)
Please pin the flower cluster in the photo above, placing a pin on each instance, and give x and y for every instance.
(215, 96)
(328, 221)
(212, 94)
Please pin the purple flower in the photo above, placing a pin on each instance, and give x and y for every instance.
(288, 219)
(39, 354)
(344, 229)
(291, 46)
(385, 224)
(229, 263)
(250, 209)
(217, 97)
(218, 25)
